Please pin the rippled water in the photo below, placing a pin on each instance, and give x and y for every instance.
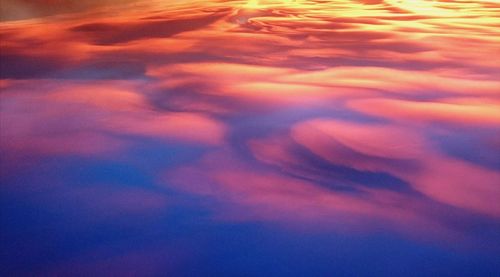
(260, 138)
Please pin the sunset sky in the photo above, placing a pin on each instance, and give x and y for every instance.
(250, 138)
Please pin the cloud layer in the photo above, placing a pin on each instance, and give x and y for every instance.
(351, 117)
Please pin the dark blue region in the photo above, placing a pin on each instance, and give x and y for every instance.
(342, 177)
(255, 251)
(44, 239)
(44, 206)
(42, 230)
(473, 145)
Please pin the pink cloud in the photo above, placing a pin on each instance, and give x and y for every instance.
(445, 179)
(77, 118)
(246, 193)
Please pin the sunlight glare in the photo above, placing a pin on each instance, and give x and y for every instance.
(252, 4)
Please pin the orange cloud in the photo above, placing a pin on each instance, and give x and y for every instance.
(469, 113)
(395, 81)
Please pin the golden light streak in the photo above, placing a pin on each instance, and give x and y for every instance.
(252, 4)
